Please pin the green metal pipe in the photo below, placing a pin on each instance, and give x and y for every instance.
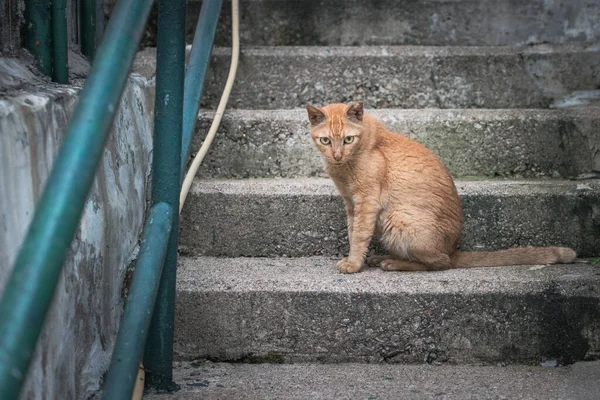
(196, 71)
(133, 331)
(38, 33)
(31, 285)
(60, 41)
(87, 18)
(170, 67)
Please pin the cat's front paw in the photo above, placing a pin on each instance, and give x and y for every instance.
(346, 267)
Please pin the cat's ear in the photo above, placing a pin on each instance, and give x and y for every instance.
(315, 115)
(355, 111)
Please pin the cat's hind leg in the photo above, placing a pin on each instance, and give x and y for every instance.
(414, 250)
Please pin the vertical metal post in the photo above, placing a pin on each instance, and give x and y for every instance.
(60, 41)
(87, 18)
(170, 66)
(38, 33)
(196, 71)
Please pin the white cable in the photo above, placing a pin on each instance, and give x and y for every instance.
(235, 52)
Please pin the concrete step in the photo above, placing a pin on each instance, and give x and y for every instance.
(286, 310)
(510, 143)
(305, 217)
(405, 77)
(206, 380)
(392, 22)
(399, 77)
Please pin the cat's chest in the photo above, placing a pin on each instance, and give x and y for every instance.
(346, 185)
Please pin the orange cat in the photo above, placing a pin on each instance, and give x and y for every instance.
(398, 189)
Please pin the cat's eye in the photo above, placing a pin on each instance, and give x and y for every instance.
(325, 140)
(348, 139)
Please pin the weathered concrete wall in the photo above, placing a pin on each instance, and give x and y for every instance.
(77, 341)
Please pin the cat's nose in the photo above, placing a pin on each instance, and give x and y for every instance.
(337, 155)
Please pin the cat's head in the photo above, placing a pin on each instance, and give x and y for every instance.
(336, 130)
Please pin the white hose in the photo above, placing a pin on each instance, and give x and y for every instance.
(235, 53)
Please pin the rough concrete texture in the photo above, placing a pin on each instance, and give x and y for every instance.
(208, 380)
(578, 98)
(304, 217)
(20, 73)
(398, 77)
(391, 22)
(283, 310)
(509, 143)
(76, 344)
(404, 77)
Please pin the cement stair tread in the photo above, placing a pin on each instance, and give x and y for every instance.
(417, 114)
(408, 50)
(317, 274)
(324, 186)
(208, 380)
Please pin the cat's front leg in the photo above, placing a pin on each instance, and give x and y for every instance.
(363, 227)
(350, 217)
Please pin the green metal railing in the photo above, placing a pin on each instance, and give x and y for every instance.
(149, 312)
(46, 35)
(60, 44)
(87, 18)
(38, 33)
(196, 72)
(170, 62)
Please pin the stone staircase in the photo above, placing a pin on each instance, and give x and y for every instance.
(474, 80)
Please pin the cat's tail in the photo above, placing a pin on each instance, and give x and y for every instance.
(514, 256)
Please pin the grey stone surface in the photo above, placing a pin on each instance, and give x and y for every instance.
(20, 73)
(404, 77)
(80, 329)
(508, 143)
(426, 23)
(304, 217)
(390, 22)
(399, 76)
(578, 98)
(285, 310)
(208, 380)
